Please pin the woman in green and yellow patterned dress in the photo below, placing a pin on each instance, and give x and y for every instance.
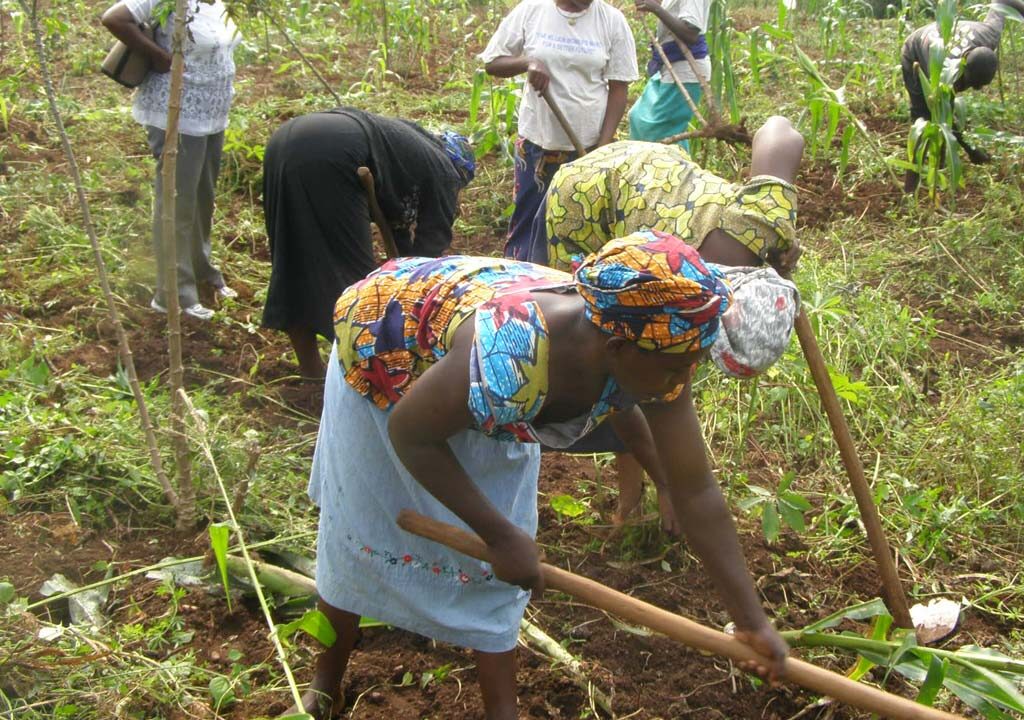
(630, 186)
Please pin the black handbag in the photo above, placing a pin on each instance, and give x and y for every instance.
(125, 66)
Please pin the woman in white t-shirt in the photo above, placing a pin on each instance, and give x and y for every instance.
(582, 51)
(662, 111)
(205, 100)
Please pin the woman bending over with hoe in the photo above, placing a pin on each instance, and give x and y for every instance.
(317, 217)
(445, 377)
(630, 186)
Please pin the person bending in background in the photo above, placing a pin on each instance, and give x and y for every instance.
(662, 111)
(631, 186)
(317, 215)
(975, 45)
(205, 100)
(445, 376)
(582, 53)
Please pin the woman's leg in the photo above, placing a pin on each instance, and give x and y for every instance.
(188, 170)
(205, 194)
(311, 365)
(535, 167)
(497, 675)
(323, 698)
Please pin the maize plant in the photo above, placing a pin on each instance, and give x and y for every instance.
(500, 100)
(932, 147)
(723, 77)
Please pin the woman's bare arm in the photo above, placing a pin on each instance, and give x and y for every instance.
(122, 25)
(613, 111)
(434, 409)
(680, 28)
(708, 525)
(506, 66)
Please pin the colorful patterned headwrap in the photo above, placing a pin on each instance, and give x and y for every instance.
(461, 154)
(757, 328)
(762, 216)
(653, 289)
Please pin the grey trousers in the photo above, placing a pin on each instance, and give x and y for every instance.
(196, 176)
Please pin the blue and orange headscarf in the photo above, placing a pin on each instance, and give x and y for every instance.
(653, 289)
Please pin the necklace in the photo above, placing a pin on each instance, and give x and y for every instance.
(572, 17)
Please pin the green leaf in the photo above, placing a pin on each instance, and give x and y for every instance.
(995, 686)
(313, 623)
(965, 689)
(930, 687)
(567, 505)
(219, 535)
(860, 611)
(770, 522)
(791, 515)
(796, 500)
(221, 692)
(6, 593)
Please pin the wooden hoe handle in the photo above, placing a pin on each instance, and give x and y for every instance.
(685, 631)
(366, 178)
(564, 122)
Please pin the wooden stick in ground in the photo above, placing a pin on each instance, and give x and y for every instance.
(895, 597)
(187, 511)
(685, 631)
(557, 111)
(366, 177)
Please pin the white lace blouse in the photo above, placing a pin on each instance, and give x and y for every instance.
(209, 69)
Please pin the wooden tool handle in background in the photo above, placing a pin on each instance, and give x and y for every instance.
(376, 214)
(685, 631)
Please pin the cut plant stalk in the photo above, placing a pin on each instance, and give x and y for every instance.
(249, 564)
(532, 635)
(679, 628)
(366, 178)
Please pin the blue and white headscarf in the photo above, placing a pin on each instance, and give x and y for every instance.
(461, 154)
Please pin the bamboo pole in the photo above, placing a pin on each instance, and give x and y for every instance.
(169, 157)
(123, 347)
(685, 631)
(893, 593)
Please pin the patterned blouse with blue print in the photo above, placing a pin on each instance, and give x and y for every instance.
(398, 321)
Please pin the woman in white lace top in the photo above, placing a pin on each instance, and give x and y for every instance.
(206, 99)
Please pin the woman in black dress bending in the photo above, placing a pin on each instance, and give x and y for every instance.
(317, 216)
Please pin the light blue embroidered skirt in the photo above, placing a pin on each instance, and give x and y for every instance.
(366, 564)
(662, 111)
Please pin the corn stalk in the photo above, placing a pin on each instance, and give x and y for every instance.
(984, 678)
(124, 349)
(825, 98)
